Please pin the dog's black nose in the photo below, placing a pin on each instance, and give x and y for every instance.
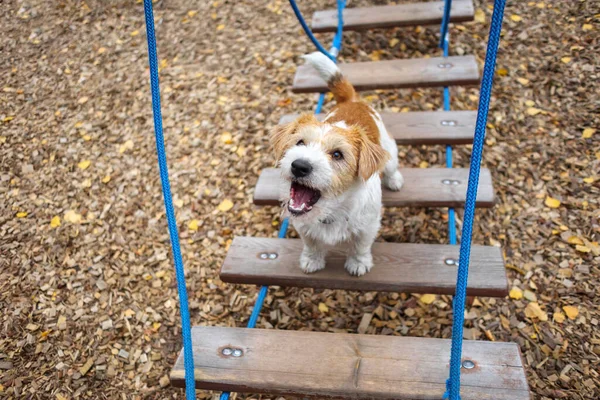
(301, 168)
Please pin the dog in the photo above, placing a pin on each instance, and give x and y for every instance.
(331, 174)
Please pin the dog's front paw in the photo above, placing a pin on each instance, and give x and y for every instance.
(358, 265)
(394, 182)
(310, 263)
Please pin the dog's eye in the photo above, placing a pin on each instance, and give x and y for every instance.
(300, 143)
(337, 155)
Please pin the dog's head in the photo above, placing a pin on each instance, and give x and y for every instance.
(322, 161)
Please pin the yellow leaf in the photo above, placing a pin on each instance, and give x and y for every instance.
(583, 249)
(427, 298)
(323, 308)
(523, 81)
(135, 33)
(588, 132)
(559, 317)
(376, 55)
(533, 310)
(83, 100)
(423, 164)
(220, 27)
(502, 71)
(222, 79)
(128, 145)
(589, 180)
(225, 205)
(55, 222)
(552, 203)
(571, 311)
(84, 164)
(226, 138)
(193, 225)
(533, 111)
(87, 183)
(587, 27)
(192, 13)
(566, 60)
(516, 18)
(21, 214)
(516, 293)
(106, 179)
(394, 42)
(530, 103)
(72, 217)
(102, 50)
(479, 16)
(574, 240)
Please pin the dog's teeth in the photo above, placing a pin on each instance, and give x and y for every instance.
(303, 206)
(291, 202)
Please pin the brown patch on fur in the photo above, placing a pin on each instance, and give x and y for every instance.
(342, 89)
(356, 113)
(282, 136)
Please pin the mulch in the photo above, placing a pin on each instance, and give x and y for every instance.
(87, 289)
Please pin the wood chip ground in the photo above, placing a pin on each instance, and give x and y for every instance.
(88, 300)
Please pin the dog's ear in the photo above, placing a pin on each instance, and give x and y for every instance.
(372, 158)
(282, 135)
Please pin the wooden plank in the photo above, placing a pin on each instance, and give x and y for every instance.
(356, 19)
(424, 127)
(423, 187)
(398, 267)
(393, 74)
(318, 364)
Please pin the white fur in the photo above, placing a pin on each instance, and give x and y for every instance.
(324, 66)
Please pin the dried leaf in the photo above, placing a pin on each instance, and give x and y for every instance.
(128, 145)
(220, 27)
(225, 205)
(502, 71)
(83, 165)
(227, 138)
(533, 310)
(323, 308)
(393, 42)
(558, 317)
(566, 60)
(106, 179)
(135, 33)
(516, 293)
(588, 133)
(533, 111)
(72, 217)
(55, 222)
(583, 249)
(571, 311)
(479, 16)
(523, 81)
(193, 225)
(22, 214)
(516, 18)
(427, 298)
(551, 202)
(587, 27)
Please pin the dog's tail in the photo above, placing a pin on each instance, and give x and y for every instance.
(341, 88)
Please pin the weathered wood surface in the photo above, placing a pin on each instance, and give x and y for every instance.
(423, 187)
(393, 74)
(317, 364)
(423, 13)
(424, 127)
(398, 267)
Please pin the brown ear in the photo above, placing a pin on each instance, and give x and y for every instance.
(282, 135)
(372, 158)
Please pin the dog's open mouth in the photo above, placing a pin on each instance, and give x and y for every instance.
(302, 199)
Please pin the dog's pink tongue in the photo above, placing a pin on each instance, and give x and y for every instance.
(301, 195)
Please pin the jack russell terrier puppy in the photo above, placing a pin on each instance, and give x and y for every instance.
(331, 174)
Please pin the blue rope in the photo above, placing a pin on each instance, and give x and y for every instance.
(308, 32)
(337, 43)
(467, 231)
(190, 391)
(445, 23)
(445, 44)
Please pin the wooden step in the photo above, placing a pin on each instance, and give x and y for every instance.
(392, 74)
(424, 127)
(356, 19)
(423, 187)
(324, 365)
(398, 267)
